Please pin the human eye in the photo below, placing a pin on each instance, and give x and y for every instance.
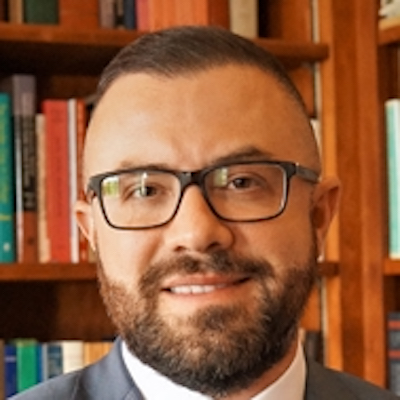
(142, 187)
(244, 182)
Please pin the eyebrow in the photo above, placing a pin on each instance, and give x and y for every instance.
(249, 153)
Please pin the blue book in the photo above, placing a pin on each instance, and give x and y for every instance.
(10, 368)
(7, 187)
(392, 112)
(54, 359)
(129, 14)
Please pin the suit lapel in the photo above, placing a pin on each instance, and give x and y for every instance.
(107, 379)
(322, 384)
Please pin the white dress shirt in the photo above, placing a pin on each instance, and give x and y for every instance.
(154, 386)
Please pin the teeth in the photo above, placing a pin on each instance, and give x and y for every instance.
(196, 289)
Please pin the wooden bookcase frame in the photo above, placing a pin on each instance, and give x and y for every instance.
(47, 300)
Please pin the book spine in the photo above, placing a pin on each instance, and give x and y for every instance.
(10, 367)
(106, 14)
(41, 11)
(79, 14)
(142, 15)
(16, 11)
(73, 175)
(54, 359)
(43, 239)
(72, 355)
(23, 92)
(82, 117)
(129, 14)
(7, 227)
(2, 370)
(57, 180)
(26, 364)
(218, 13)
(392, 111)
(244, 17)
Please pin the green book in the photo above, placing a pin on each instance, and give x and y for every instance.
(41, 11)
(26, 363)
(7, 186)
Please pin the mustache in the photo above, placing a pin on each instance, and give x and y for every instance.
(219, 263)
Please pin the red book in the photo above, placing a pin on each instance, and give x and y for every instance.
(79, 14)
(57, 179)
(211, 12)
(77, 130)
(142, 15)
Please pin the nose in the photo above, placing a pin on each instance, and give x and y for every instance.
(195, 228)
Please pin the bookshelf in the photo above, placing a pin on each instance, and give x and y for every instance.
(330, 49)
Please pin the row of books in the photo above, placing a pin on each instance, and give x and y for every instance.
(241, 16)
(40, 169)
(27, 362)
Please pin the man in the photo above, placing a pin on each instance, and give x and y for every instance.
(205, 257)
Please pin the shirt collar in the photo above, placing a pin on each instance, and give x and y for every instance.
(154, 386)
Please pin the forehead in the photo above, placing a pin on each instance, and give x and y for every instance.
(187, 122)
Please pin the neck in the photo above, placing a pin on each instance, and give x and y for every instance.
(268, 378)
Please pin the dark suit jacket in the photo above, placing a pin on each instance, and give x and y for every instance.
(109, 379)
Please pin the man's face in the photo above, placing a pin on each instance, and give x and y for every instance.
(203, 300)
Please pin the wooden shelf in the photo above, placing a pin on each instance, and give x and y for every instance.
(47, 272)
(391, 267)
(55, 49)
(59, 272)
(389, 35)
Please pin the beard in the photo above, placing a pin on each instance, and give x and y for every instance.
(219, 349)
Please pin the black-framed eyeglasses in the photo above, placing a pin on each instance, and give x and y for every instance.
(250, 191)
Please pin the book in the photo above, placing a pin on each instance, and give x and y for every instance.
(142, 15)
(43, 239)
(7, 226)
(244, 17)
(82, 113)
(393, 351)
(57, 179)
(54, 359)
(2, 370)
(3, 15)
(72, 355)
(211, 12)
(16, 11)
(79, 14)
(10, 367)
(22, 89)
(94, 351)
(129, 14)
(26, 354)
(392, 114)
(41, 11)
(106, 14)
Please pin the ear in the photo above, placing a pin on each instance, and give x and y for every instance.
(84, 218)
(325, 202)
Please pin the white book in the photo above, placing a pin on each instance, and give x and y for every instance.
(72, 355)
(243, 17)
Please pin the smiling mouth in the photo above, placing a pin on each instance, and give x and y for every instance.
(189, 289)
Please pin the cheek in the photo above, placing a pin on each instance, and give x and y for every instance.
(124, 253)
(283, 241)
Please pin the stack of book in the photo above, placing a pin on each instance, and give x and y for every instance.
(27, 362)
(40, 160)
(241, 16)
